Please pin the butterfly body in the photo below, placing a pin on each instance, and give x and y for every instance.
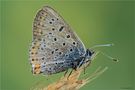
(55, 47)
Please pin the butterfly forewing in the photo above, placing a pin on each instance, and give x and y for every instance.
(55, 47)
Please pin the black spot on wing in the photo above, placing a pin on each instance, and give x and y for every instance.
(53, 29)
(52, 19)
(55, 39)
(68, 36)
(50, 22)
(61, 28)
(63, 44)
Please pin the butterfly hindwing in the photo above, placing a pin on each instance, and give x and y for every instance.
(55, 47)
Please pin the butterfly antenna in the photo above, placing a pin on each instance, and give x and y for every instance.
(105, 45)
(113, 59)
(102, 45)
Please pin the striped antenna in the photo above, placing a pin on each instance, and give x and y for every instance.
(105, 45)
(102, 45)
(113, 59)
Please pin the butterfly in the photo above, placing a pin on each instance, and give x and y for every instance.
(55, 46)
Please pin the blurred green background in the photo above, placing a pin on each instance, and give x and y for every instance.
(95, 22)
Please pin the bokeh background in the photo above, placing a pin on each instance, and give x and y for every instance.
(95, 22)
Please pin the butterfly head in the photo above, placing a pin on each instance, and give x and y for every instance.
(89, 54)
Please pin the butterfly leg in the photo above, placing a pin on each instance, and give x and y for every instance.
(81, 62)
(84, 68)
(70, 73)
(88, 62)
(65, 72)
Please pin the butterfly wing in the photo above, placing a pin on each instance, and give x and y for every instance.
(55, 47)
